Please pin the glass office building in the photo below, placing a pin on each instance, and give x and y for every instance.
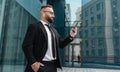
(15, 16)
(97, 41)
(100, 32)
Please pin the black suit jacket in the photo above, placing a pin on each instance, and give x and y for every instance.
(35, 44)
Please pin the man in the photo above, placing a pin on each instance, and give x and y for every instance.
(42, 41)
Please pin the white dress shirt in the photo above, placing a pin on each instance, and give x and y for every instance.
(48, 56)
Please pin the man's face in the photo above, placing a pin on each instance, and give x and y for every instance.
(49, 14)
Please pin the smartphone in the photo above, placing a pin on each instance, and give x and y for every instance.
(77, 23)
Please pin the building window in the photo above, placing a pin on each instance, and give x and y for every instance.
(93, 43)
(92, 31)
(87, 53)
(114, 2)
(102, 4)
(100, 42)
(99, 30)
(86, 43)
(116, 41)
(115, 15)
(91, 10)
(86, 13)
(98, 6)
(86, 23)
(116, 27)
(86, 33)
(92, 20)
(99, 17)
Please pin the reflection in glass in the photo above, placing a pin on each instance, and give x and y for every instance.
(100, 30)
(14, 20)
(72, 17)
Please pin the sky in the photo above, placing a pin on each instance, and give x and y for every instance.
(74, 4)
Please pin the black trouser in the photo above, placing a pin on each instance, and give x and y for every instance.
(49, 66)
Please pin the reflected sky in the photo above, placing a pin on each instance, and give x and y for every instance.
(74, 4)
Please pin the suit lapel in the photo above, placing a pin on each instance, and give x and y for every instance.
(43, 29)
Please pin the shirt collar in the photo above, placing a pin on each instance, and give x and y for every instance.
(43, 22)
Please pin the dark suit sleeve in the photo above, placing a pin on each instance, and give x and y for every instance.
(27, 45)
(63, 43)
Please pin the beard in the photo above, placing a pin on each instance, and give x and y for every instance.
(50, 20)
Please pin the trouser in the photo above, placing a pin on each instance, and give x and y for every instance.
(49, 66)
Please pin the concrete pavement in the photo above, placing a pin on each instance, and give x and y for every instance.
(67, 69)
(20, 68)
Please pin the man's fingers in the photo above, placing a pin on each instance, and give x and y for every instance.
(74, 29)
(41, 64)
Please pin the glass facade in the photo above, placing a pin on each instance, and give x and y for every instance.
(98, 33)
(32, 7)
(14, 20)
(96, 44)
(72, 52)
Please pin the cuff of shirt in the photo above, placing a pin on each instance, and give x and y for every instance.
(71, 38)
